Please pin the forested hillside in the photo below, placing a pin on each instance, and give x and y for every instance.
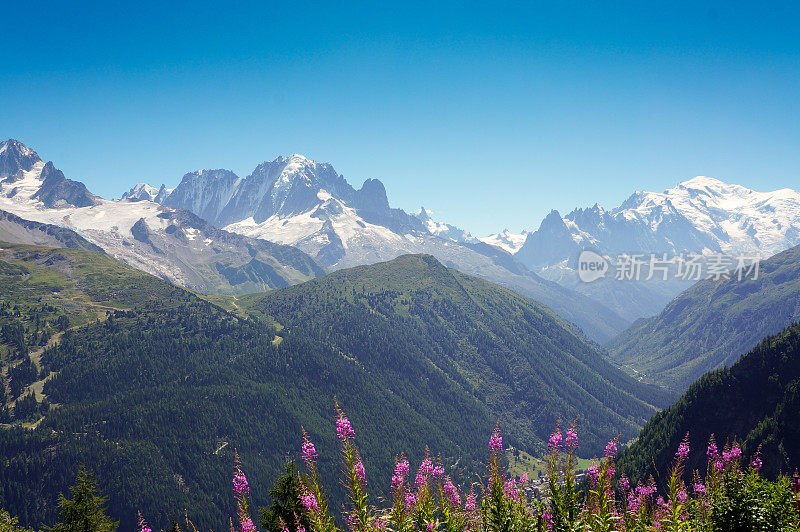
(155, 396)
(525, 363)
(756, 401)
(712, 324)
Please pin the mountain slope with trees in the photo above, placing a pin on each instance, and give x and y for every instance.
(755, 401)
(712, 324)
(526, 363)
(158, 394)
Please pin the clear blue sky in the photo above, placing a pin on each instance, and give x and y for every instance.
(488, 115)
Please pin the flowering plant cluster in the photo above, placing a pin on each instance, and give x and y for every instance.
(730, 496)
(430, 501)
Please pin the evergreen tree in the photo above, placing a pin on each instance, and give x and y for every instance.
(85, 511)
(9, 524)
(285, 509)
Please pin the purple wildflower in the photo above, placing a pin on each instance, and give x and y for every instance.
(240, 485)
(593, 472)
(411, 501)
(471, 502)
(343, 428)
(611, 449)
(757, 463)
(571, 440)
(700, 488)
(683, 450)
(309, 451)
(510, 488)
(247, 525)
(451, 492)
(309, 502)
(554, 442)
(496, 441)
(425, 470)
(400, 473)
(712, 453)
(360, 472)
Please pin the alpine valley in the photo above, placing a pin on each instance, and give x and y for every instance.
(165, 336)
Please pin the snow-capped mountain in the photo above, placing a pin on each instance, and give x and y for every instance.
(43, 207)
(505, 239)
(143, 191)
(701, 215)
(442, 229)
(303, 203)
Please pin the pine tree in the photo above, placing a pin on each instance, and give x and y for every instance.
(85, 511)
(285, 509)
(10, 524)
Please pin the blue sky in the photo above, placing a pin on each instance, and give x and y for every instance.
(488, 114)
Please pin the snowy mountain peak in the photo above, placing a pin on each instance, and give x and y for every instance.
(506, 240)
(702, 181)
(15, 146)
(141, 191)
(16, 159)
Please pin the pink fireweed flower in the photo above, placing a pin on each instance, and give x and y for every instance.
(700, 488)
(634, 502)
(593, 472)
(411, 501)
(681, 496)
(309, 452)
(471, 502)
(496, 441)
(683, 450)
(247, 525)
(360, 472)
(624, 484)
(451, 492)
(547, 517)
(240, 485)
(438, 471)
(756, 463)
(429, 527)
(712, 453)
(611, 449)
(343, 429)
(555, 440)
(309, 502)
(425, 470)
(524, 479)
(735, 452)
(400, 473)
(571, 440)
(510, 488)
